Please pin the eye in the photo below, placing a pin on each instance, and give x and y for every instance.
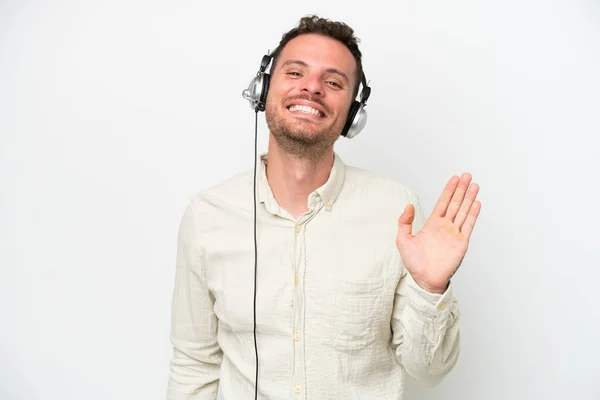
(293, 73)
(334, 84)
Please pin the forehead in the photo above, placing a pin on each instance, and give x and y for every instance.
(320, 52)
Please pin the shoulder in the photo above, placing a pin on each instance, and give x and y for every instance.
(366, 183)
(229, 197)
(378, 196)
(229, 190)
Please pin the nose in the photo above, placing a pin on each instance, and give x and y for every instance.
(312, 85)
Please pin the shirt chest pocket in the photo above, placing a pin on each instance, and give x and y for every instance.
(349, 314)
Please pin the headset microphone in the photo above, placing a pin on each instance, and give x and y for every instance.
(256, 94)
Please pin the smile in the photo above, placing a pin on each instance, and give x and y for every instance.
(306, 110)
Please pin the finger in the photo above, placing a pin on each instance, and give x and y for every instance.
(440, 208)
(469, 224)
(466, 205)
(405, 223)
(458, 196)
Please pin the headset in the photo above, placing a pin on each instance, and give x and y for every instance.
(256, 94)
(258, 89)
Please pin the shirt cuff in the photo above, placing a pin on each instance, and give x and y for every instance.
(431, 304)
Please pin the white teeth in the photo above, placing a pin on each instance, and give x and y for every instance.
(304, 109)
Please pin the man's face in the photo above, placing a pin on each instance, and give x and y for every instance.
(310, 94)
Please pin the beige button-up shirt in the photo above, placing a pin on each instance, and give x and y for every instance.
(338, 316)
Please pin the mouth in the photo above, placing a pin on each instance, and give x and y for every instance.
(307, 111)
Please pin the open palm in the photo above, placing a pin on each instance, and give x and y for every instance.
(434, 254)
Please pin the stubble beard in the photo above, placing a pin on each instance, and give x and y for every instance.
(295, 140)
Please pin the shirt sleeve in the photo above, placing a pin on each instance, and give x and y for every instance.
(196, 360)
(426, 333)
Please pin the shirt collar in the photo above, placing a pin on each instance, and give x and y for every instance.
(327, 193)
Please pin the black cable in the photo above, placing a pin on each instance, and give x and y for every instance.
(255, 250)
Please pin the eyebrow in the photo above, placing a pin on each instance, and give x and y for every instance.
(328, 70)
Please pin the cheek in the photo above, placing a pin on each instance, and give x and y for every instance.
(278, 90)
(275, 100)
(344, 110)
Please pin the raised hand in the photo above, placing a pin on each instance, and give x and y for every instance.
(433, 255)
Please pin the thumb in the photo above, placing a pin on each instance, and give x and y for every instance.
(405, 223)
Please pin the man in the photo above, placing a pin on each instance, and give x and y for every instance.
(347, 298)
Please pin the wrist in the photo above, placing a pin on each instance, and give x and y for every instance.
(435, 289)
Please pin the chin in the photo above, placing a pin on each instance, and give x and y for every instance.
(298, 127)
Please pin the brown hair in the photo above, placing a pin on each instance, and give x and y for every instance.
(333, 29)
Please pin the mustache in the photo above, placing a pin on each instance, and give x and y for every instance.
(309, 98)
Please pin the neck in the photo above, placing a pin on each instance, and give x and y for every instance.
(292, 179)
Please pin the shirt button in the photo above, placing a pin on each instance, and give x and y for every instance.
(298, 228)
(443, 306)
(297, 336)
(298, 389)
(296, 280)
(328, 206)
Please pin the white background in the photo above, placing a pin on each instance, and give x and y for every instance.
(112, 114)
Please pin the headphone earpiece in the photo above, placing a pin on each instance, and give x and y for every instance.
(357, 116)
(258, 89)
(266, 80)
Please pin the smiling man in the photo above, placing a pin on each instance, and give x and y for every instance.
(352, 283)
